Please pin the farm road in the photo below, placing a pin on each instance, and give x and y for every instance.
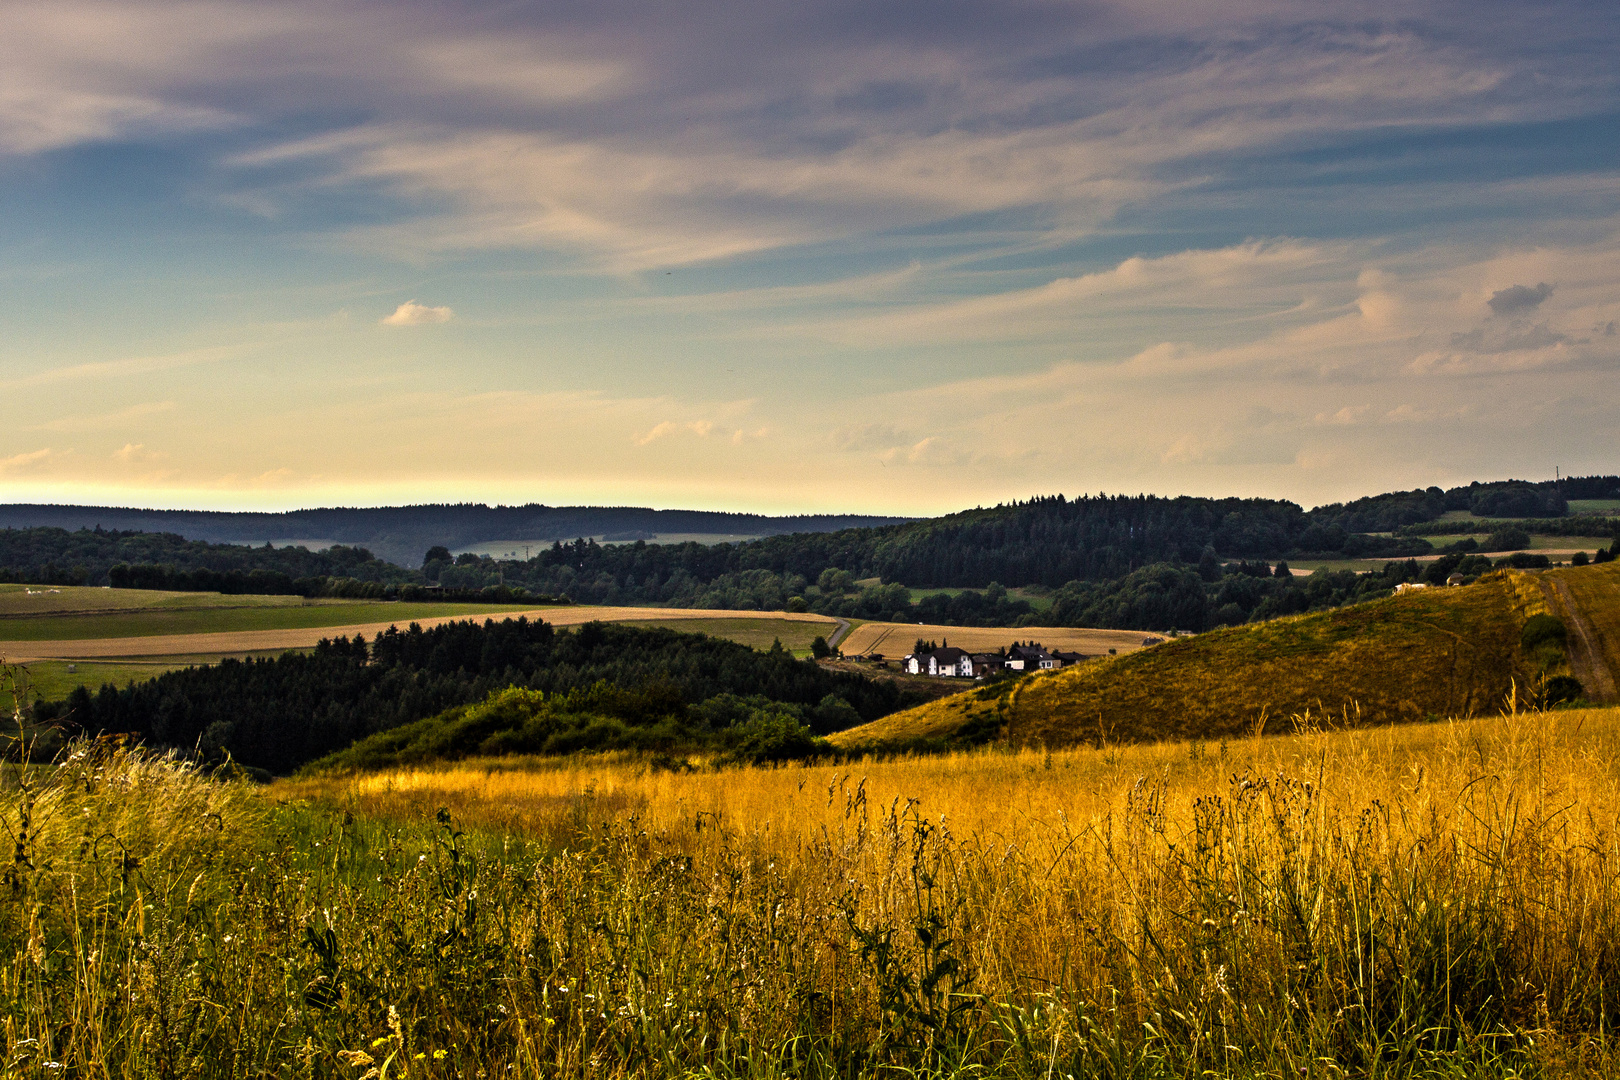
(1587, 657)
(259, 641)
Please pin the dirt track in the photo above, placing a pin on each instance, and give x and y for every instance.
(1587, 661)
(258, 641)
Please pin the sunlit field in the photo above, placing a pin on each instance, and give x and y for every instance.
(1434, 899)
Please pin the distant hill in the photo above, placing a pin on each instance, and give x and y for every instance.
(401, 534)
(1431, 652)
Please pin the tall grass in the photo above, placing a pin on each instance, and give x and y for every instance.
(1428, 900)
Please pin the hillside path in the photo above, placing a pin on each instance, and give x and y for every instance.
(838, 634)
(1586, 657)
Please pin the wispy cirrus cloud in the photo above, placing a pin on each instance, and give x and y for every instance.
(130, 366)
(1031, 244)
(101, 421)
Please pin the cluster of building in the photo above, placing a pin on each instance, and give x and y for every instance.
(951, 662)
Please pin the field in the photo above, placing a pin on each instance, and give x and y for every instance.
(795, 634)
(524, 549)
(77, 613)
(1435, 652)
(1546, 545)
(116, 635)
(1432, 900)
(895, 640)
(1038, 597)
(29, 601)
(52, 680)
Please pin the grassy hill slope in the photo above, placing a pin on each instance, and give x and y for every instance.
(1434, 652)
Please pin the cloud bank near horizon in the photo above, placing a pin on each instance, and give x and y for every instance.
(807, 256)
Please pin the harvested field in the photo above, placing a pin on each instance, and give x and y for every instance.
(895, 640)
(217, 618)
(245, 642)
(795, 633)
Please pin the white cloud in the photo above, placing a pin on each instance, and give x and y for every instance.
(701, 428)
(410, 313)
(25, 462)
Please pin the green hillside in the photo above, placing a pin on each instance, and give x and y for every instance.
(1431, 652)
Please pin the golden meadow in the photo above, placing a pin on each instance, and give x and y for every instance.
(1424, 900)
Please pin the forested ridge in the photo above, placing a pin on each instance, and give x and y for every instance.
(1092, 552)
(402, 533)
(277, 714)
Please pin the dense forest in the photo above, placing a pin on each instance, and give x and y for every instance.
(53, 556)
(402, 533)
(277, 714)
(1087, 548)
(1045, 541)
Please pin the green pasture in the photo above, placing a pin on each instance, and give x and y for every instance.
(1587, 544)
(53, 680)
(1359, 566)
(1039, 597)
(795, 635)
(73, 626)
(1594, 506)
(33, 600)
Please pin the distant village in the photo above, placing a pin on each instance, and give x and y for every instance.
(947, 662)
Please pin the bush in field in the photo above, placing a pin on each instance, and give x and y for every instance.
(1508, 539)
(769, 737)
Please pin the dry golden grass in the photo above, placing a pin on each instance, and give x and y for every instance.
(1421, 901)
(1027, 796)
(1142, 874)
(1433, 652)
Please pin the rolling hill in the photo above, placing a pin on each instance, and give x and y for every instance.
(1430, 652)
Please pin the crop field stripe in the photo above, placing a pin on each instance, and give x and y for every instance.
(896, 639)
(237, 643)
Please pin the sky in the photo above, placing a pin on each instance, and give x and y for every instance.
(803, 256)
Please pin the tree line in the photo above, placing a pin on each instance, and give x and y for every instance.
(401, 533)
(54, 556)
(277, 714)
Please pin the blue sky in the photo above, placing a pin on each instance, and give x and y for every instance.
(803, 256)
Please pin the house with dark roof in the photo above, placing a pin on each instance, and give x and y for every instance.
(946, 662)
(1030, 657)
(988, 664)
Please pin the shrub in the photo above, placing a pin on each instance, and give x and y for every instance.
(1560, 690)
(772, 737)
(1507, 539)
(1540, 628)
